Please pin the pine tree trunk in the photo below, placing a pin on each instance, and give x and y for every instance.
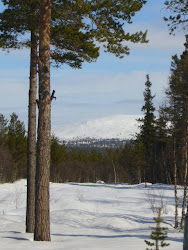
(42, 210)
(175, 188)
(157, 245)
(31, 141)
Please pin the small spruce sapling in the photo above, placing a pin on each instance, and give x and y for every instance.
(158, 234)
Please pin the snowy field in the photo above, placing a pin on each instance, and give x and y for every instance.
(90, 216)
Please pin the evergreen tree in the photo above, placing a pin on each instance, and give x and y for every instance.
(161, 125)
(163, 170)
(58, 151)
(105, 25)
(73, 42)
(17, 143)
(127, 161)
(6, 161)
(175, 117)
(138, 160)
(95, 156)
(76, 25)
(179, 18)
(178, 116)
(17, 19)
(42, 206)
(147, 128)
(3, 128)
(159, 234)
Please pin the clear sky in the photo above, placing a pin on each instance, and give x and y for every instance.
(108, 87)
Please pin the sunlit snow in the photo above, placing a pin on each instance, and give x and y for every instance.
(90, 216)
(118, 126)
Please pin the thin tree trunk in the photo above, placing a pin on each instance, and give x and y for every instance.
(169, 171)
(139, 173)
(185, 185)
(42, 210)
(31, 140)
(185, 159)
(175, 187)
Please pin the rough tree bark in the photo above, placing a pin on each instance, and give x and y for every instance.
(42, 210)
(31, 141)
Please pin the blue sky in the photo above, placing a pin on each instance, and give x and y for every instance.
(111, 86)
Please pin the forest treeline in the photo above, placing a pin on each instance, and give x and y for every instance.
(124, 164)
(67, 164)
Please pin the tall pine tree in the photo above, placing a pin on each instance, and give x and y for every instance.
(177, 94)
(75, 28)
(42, 207)
(147, 130)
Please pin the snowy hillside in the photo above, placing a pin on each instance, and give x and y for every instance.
(90, 216)
(119, 126)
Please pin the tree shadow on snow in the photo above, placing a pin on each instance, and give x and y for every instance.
(143, 237)
(103, 236)
(15, 238)
(100, 185)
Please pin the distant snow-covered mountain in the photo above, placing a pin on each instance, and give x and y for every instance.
(122, 127)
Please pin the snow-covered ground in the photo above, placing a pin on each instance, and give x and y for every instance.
(118, 126)
(90, 216)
